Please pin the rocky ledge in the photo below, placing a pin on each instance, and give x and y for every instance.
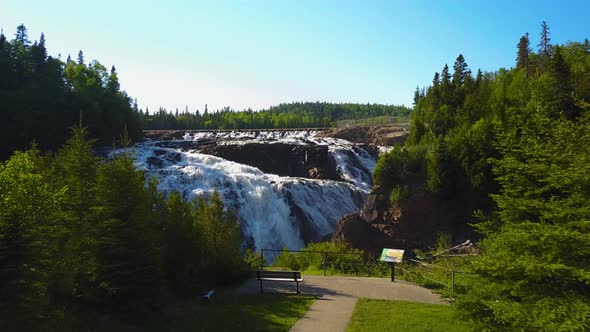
(379, 135)
(413, 223)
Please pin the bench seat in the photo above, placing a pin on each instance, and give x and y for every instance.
(268, 275)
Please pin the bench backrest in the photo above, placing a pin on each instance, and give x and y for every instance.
(291, 275)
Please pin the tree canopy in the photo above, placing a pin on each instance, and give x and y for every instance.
(512, 144)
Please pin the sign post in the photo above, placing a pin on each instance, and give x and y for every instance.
(392, 256)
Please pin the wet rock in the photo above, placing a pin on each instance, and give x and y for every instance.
(306, 161)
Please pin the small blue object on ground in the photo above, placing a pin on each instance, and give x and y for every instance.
(208, 295)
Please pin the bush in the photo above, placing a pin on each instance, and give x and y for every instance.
(399, 164)
(398, 193)
(334, 258)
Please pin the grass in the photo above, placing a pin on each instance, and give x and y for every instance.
(225, 312)
(383, 315)
(265, 312)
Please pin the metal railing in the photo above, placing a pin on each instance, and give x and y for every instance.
(365, 260)
(372, 260)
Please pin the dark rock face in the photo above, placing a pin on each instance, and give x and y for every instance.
(307, 161)
(413, 223)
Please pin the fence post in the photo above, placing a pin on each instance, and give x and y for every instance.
(453, 282)
(262, 259)
(324, 262)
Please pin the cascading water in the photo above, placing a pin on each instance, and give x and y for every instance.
(274, 211)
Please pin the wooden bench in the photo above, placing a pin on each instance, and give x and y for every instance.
(293, 276)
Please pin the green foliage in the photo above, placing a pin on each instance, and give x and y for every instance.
(43, 96)
(535, 270)
(398, 193)
(76, 232)
(518, 136)
(335, 258)
(293, 115)
(398, 165)
(29, 211)
(127, 262)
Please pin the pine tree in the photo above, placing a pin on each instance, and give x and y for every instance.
(436, 80)
(2, 40)
(39, 53)
(478, 77)
(460, 71)
(446, 77)
(22, 36)
(523, 47)
(532, 273)
(75, 168)
(80, 57)
(416, 96)
(127, 261)
(545, 43)
(563, 102)
(113, 82)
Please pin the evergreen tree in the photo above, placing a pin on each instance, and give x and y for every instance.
(532, 274)
(127, 262)
(75, 168)
(436, 80)
(22, 36)
(522, 57)
(80, 57)
(545, 47)
(562, 101)
(460, 71)
(446, 77)
(416, 96)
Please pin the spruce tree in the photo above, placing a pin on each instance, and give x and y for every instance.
(22, 36)
(460, 71)
(523, 47)
(75, 169)
(80, 57)
(436, 79)
(545, 47)
(127, 261)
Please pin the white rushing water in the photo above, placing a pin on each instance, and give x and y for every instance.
(274, 211)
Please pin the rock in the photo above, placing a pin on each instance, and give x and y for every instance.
(413, 223)
(306, 161)
(375, 135)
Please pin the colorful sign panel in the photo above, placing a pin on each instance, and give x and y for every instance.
(392, 255)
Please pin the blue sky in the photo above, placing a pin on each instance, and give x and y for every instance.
(260, 53)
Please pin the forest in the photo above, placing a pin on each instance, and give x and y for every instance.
(83, 234)
(41, 97)
(80, 234)
(292, 115)
(512, 145)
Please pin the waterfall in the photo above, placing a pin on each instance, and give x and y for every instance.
(274, 211)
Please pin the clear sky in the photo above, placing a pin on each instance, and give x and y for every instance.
(259, 53)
